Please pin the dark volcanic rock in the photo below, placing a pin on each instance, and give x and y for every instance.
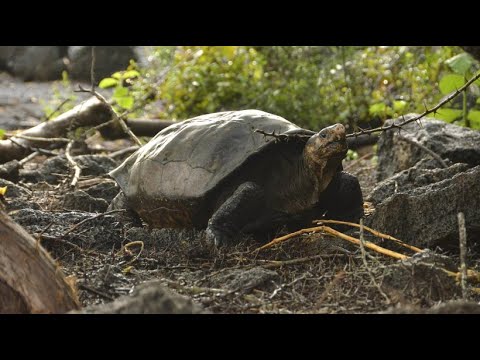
(106, 190)
(246, 280)
(102, 232)
(108, 59)
(427, 216)
(423, 276)
(55, 169)
(80, 200)
(456, 143)
(16, 197)
(41, 63)
(147, 298)
(422, 174)
(448, 307)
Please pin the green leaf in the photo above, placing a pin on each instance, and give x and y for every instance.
(120, 91)
(108, 82)
(125, 102)
(378, 108)
(131, 74)
(450, 82)
(448, 115)
(474, 117)
(460, 63)
(2, 132)
(399, 105)
(118, 75)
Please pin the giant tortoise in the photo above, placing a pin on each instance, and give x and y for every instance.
(217, 171)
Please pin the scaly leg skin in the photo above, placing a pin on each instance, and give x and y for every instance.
(242, 208)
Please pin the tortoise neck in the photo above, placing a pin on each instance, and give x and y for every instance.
(322, 173)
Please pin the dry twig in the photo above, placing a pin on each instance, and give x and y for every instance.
(329, 230)
(73, 163)
(463, 253)
(424, 148)
(374, 232)
(422, 115)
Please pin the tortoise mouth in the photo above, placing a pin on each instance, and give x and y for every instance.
(339, 146)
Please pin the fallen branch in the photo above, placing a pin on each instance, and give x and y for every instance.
(118, 118)
(73, 163)
(424, 148)
(328, 230)
(370, 230)
(422, 115)
(30, 280)
(88, 113)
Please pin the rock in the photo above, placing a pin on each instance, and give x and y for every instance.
(33, 63)
(80, 200)
(105, 190)
(426, 216)
(245, 280)
(148, 298)
(52, 170)
(456, 143)
(100, 233)
(17, 197)
(422, 276)
(108, 59)
(425, 172)
(9, 170)
(448, 307)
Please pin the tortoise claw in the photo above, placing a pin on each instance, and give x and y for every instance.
(216, 238)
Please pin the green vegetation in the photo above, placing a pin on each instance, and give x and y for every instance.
(312, 86)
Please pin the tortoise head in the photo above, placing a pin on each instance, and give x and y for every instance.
(327, 146)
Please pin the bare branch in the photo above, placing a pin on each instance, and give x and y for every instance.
(92, 69)
(422, 115)
(74, 164)
(463, 253)
(115, 115)
(424, 148)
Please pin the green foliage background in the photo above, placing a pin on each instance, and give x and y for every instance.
(312, 86)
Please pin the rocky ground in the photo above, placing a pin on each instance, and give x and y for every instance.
(121, 267)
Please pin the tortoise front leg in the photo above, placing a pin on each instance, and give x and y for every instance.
(241, 208)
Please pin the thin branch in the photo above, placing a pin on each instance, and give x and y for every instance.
(422, 115)
(124, 151)
(96, 292)
(424, 148)
(36, 138)
(92, 69)
(338, 234)
(28, 158)
(365, 263)
(57, 109)
(73, 163)
(118, 118)
(463, 253)
(277, 263)
(74, 227)
(370, 230)
(282, 137)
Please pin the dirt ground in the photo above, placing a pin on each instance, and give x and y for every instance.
(108, 254)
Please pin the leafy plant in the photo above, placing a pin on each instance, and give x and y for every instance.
(462, 67)
(120, 81)
(63, 98)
